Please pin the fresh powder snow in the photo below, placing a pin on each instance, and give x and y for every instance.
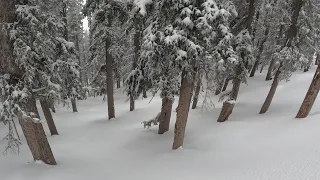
(273, 146)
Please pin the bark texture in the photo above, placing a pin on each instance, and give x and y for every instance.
(196, 91)
(36, 137)
(109, 69)
(47, 114)
(271, 93)
(165, 116)
(227, 106)
(311, 96)
(186, 88)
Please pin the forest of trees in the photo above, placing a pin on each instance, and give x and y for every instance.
(171, 48)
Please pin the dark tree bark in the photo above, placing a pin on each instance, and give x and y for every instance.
(35, 136)
(271, 93)
(196, 91)
(47, 114)
(225, 85)
(262, 66)
(227, 106)
(272, 62)
(144, 95)
(109, 69)
(118, 84)
(187, 83)
(311, 96)
(261, 47)
(291, 34)
(137, 47)
(165, 116)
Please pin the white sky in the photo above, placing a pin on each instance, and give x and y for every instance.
(85, 21)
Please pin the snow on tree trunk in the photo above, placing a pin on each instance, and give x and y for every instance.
(35, 136)
(165, 116)
(271, 93)
(109, 69)
(47, 114)
(74, 105)
(310, 96)
(52, 106)
(227, 106)
(196, 91)
(186, 88)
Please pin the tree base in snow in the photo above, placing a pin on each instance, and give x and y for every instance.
(226, 111)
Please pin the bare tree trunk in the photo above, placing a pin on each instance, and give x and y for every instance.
(310, 96)
(74, 105)
(261, 47)
(36, 137)
(132, 103)
(165, 116)
(269, 73)
(47, 114)
(196, 91)
(144, 94)
(271, 93)
(228, 106)
(187, 83)
(262, 66)
(109, 69)
(272, 62)
(52, 107)
(118, 84)
(225, 85)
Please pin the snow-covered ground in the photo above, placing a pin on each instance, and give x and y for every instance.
(249, 146)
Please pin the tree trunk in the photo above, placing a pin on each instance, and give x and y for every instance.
(47, 114)
(36, 137)
(271, 93)
(225, 85)
(310, 96)
(262, 66)
(261, 47)
(74, 105)
(52, 107)
(109, 69)
(196, 91)
(144, 94)
(272, 62)
(118, 84)
(131, 103)
(255, 67)
(165, 116)
(187, 83)
(227, 106)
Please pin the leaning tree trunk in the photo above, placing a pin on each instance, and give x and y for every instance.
(165, 116)
(262, 66)
(229, 105)
(196, 91)
(273, 61)
(144, 94)
(225, 85)
(109, 69)
(74, 104)
(47, 114)
(310, 96)
(35, 136)
(187, 83)
(271, 93)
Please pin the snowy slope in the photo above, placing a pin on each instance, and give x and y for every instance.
(273, 146)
